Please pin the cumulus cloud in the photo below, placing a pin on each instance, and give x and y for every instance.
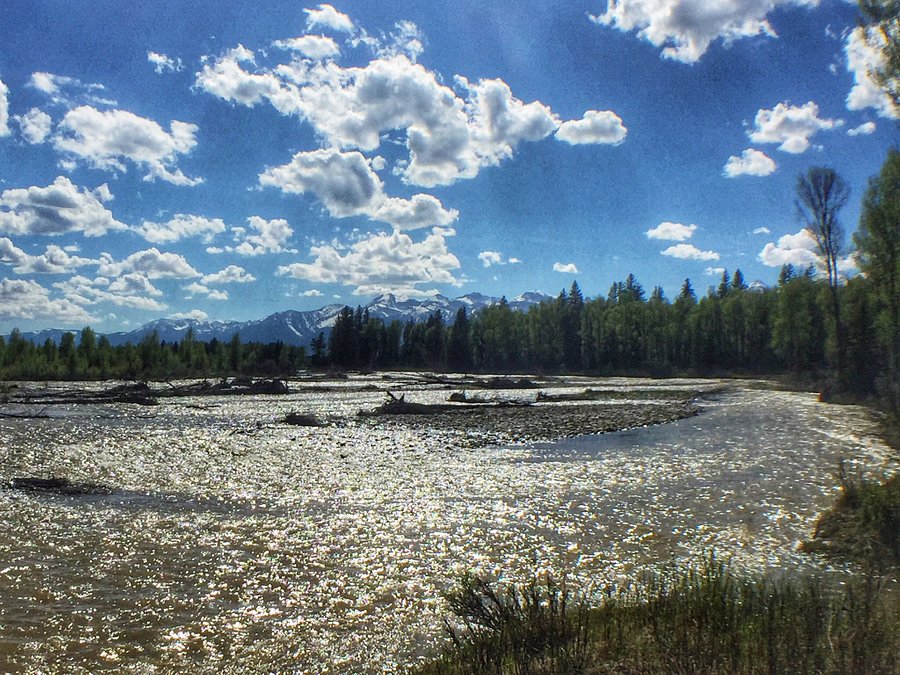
(489, 258)
(180, 227)
(312, 293)
(714, 271)
(233, 274)
(129, 290)
(162, 63)
(4, 109)
(311, 46)
(35, 125)
(798, 249)
(565, 268)
(450, 133)
(106, 139)
(59, 208)
(863, 129)
(347, 185)
(671, 231)
(689, 252)
(750, 163)
(326, 16)
(382, 263)
(193, 315)
(194, 289)
(269, 236)
(790, 126)
(54, 260)
(151, 263)
(863, 60)
(686, 28)
(596, 126)
(68, 91)
(26, 299)
(226, 78)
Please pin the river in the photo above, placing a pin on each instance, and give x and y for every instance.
(232, 543)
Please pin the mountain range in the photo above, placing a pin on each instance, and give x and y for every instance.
(300, 328)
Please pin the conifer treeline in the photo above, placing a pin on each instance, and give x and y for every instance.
(94, 358)
(731, 329)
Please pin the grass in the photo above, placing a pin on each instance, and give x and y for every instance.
(703, 619)
(864, 523)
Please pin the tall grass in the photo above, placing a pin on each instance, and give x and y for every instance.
(864, 523)
(704, 619)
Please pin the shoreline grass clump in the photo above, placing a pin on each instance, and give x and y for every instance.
(864, 523)
(705, 618)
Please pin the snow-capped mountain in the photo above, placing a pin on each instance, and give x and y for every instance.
(300, 328)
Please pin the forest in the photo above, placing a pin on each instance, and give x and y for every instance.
(813, 325)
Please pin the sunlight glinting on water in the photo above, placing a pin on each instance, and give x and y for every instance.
(235, 542)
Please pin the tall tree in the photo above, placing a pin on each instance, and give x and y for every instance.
(878, 252)
(882, 31)
(821, 194)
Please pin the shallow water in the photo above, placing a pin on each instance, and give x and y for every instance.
(235, 543)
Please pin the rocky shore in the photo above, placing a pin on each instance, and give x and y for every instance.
(540, 422)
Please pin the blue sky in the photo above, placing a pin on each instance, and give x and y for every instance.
(227, 160)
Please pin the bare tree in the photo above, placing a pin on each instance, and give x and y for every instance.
(821, 194)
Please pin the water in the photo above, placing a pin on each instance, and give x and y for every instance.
(233, 543)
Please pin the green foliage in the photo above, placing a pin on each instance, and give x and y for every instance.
(702, 619)
(882, 28)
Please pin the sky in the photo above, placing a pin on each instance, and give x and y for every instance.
(227, 159)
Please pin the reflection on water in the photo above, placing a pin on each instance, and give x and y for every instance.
(232, 542)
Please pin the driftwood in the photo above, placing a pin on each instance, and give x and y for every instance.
(302, 420)
(398, 405)
(57, 486)
(140, 393)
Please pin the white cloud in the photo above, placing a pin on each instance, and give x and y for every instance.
(129, 290)
(382, 263)
(35, 125)
(195, 288)
(689, 252)
(750, 163)
(798, 249)
(180, 227)
(149, 262)
(762, 230)
(596, 126)
(4, 110)
(68, 91)
(671, 231)
(105, 139)
(311, 46)
(863, 60)
(59, 208)
(54, 260)
(224, 77)
(326, 16)
(686, 28)
(489, 258)
(271, 237)
(26, 299)
(193, 315)
(347, 186)
(790, 126)
(162, 63)
(312, 293)
(449, 134)
(714, 271)
(233, 274)
(565, 268)
(863, 129)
